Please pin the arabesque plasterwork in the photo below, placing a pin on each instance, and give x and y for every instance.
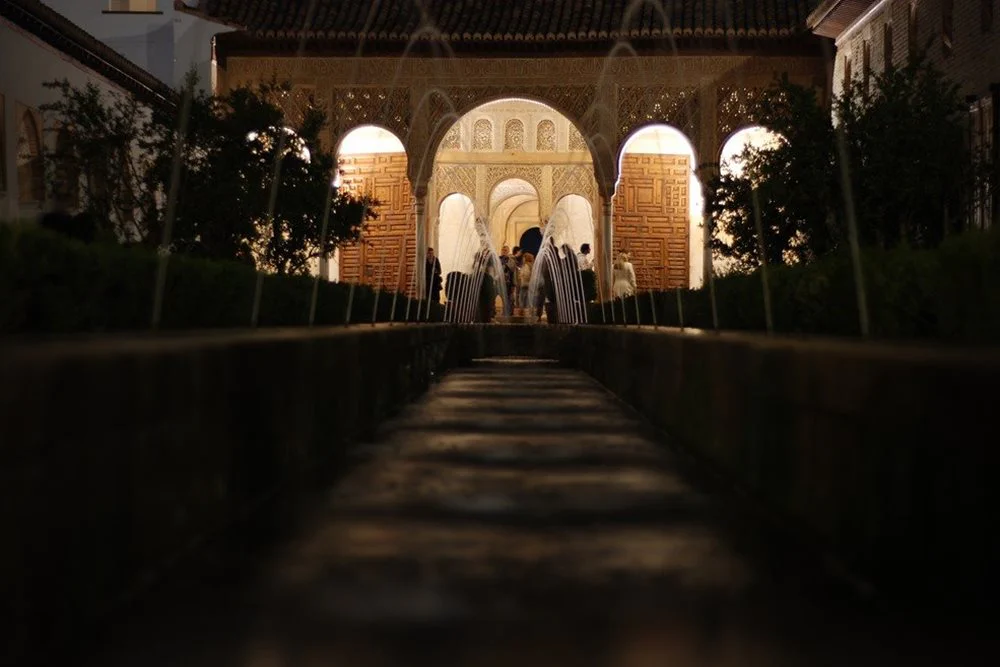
(706, 97)
(573, 179)
(455, 178)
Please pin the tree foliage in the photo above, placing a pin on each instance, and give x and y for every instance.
(251, 185)
(891, 154)
(102, 143)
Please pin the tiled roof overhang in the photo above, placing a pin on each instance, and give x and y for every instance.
(524, 23)
(62, 34)
(833, 17)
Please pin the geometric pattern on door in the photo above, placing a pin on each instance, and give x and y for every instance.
(650, 218)
(375, 259)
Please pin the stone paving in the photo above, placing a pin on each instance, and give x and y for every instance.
(518, 515)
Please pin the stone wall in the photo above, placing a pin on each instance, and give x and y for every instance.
(886, 455)
(121, 454)
(968, 52)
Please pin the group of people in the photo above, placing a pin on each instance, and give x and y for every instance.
(519, 266)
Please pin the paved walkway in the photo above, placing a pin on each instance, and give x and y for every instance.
(518, 515)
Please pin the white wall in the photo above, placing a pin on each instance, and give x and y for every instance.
(25, 63)
(573, 222)
(664, 140)
(457, 239)
(974, 62)
(167, 44)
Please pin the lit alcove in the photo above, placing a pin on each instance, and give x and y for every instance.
(756, 137)
(457, 233)
(514, 208)
(498, 155)
(731, 163)
(371, 159)
(658, 208)
(572, 222)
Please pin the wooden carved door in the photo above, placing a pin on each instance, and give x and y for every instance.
(650, 218)
(375, 259)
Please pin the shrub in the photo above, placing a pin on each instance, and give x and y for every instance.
(951, 293)
(53, 284)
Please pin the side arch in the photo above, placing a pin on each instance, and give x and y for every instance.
(372, 159)
(658, 207)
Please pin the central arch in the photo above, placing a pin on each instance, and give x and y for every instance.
(519, 163)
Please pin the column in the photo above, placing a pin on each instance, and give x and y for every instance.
(420, 213)
(607, 253)
(706, 173)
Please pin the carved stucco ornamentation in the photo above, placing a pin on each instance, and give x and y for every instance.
(638, 106)
(452, 178)
(453, 140)
(482, 135)
(573, 101)
(545, 136)
(628, 70)
(497, 173)
(573, 180)
(576, 140)
(739, 106)
(296, 102)
(513, 135)
(388, 107)
(510, 188)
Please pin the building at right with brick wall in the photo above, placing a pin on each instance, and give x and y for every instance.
(960, 37)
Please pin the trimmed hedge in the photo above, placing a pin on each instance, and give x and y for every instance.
(53, 284)
(951, 293)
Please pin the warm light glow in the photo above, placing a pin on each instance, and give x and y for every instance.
(293, 144)
(666, 140)
(369, 139)
(457, 233)
(573, 222)
(754, 137)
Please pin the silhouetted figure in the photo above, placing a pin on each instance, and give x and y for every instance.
(432, 276)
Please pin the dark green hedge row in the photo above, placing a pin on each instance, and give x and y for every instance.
(53, 284)
(951, 293)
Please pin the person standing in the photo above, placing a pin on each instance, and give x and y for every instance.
(509, 264)
(585, 262)
(432, 276)
(624, 275)
(524, 281)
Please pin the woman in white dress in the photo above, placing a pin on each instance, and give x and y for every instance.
(624, 275)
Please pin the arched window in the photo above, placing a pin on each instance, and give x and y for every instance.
(545, 136)
(482, 135)
(947, 26)
(513, 135)
(866, 64)
(913, 31)
(30, 171)
(576, 141)
(887, 46)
